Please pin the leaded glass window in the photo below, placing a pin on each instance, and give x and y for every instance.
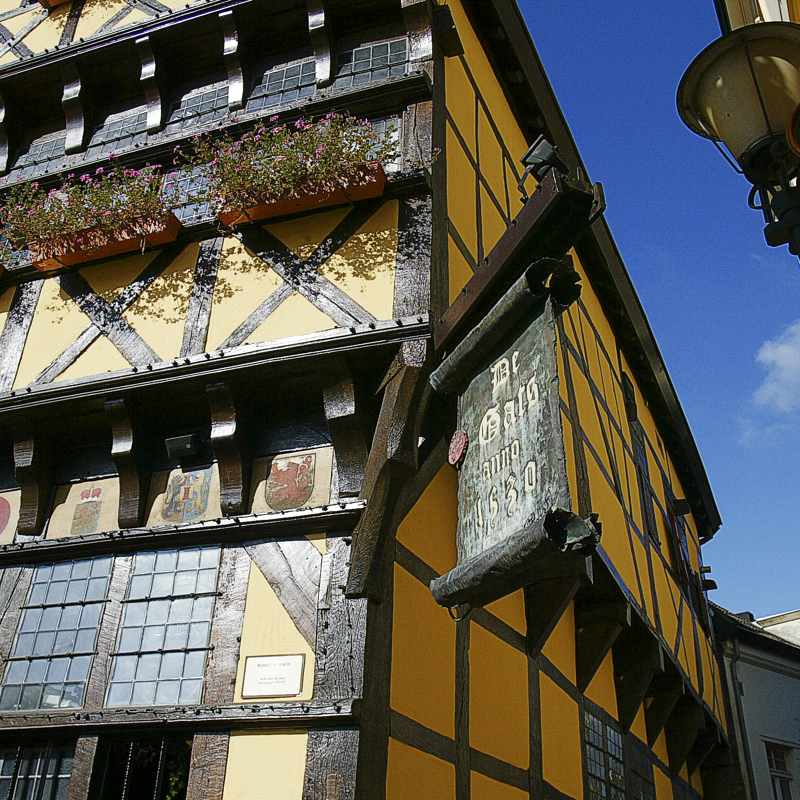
(604, 759)
(642, 786)
(23, 770)
(373, 62)
(56, 636)
(166, 624)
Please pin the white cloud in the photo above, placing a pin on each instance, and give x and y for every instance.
(781, 358)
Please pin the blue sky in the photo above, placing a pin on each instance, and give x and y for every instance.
(724, 307)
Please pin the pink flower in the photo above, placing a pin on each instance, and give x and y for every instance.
(98, 171)
(273, 118)
(85, 178)
(106, 213)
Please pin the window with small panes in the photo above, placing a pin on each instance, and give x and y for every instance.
(604, 759)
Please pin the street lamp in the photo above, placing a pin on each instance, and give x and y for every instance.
(741, 92)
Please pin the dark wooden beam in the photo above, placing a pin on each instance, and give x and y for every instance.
(150, 81)
(198, 315)
(637, 658)
(292, 568)
(721, 778)
(706, 741)
(682, 728)
(207, 767)
(547, 600)
(418, 18)
(81, 775)
(339, 403)
(597, 626)
(230, 448)
(331, 758)
(32, 469)
(75, 108)
(233, 63)
(319, 31)
(391, 464)
(133, 481)
(15, 331)
(662, 696)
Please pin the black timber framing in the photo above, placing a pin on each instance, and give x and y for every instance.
(513, 54)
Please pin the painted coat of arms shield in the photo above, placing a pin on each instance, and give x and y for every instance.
(5, 513)
(87, 512)
(291, 481)
(186, 497)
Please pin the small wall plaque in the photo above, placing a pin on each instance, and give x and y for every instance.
(273, 676)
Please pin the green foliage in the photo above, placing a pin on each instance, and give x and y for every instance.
(107, 201)
(283, 160)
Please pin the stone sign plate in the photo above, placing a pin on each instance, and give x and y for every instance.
(515, 469)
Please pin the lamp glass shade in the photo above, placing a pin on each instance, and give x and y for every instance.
(744, 86)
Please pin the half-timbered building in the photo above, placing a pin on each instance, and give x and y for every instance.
(228, 484)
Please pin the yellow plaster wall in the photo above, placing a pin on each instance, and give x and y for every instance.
(304, 234)
(663, 785)
(484, 788)
(268, 630)
(559, 648)
(158, 316)
(561, 739)
(295, 316)
(423, 656)
(414, 775)
(602, 690)
(459, 270)
(265, 765)
(511, 609)
(67, 499)
(429, 529)
(101, 356)
(95, 13)
(48, 32)
(244, 282)
(498, 698)
(639, 725)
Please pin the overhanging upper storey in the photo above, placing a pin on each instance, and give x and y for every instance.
(508, 45)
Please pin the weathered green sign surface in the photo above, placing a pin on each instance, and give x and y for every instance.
(515, 469)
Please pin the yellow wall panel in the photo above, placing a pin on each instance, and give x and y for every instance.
(511, 609)
(488, 84)
(484, 788)
(67, 519)
(639, 725)
(644, 574)
(244, 282)
(459, 271)
(414, 775)
(364, 266)
(460, 98)
(461, 204)
(663, 785)
(667, 606)
(491, 161)
(697, 783)
(498, 698)
(660, 747)
(8, 58)
(601, 690)
(131, 19)
(423, 656)
(295, 316)
(101, 356)
(48, 32)
(304, 234)
(559, 648)
(15, 24)
(268, 630)
(95, 13)
(493, 226)
(688, 640)
(561, 739)
(429, 529)
(158, 316)
(280, 756)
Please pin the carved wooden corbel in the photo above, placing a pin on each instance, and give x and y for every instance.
(150, 82)
(227, 442)
(392, 462)
(338, 395)
(321, 40)
(75, 108)
(704, 744)
(683, 727)
(419, 26)
(230, 51)
(133, 482)
(638, 657)
(597, 626)
(665, 691)
(32, 469)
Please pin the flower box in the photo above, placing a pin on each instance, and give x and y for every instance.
(94, 243)
(52, 3)
(360, 183)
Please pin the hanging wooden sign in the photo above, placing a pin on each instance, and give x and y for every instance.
(515, 523)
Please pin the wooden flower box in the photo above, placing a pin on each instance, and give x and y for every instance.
(92, 244)
(52, 3)
(361, 183)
